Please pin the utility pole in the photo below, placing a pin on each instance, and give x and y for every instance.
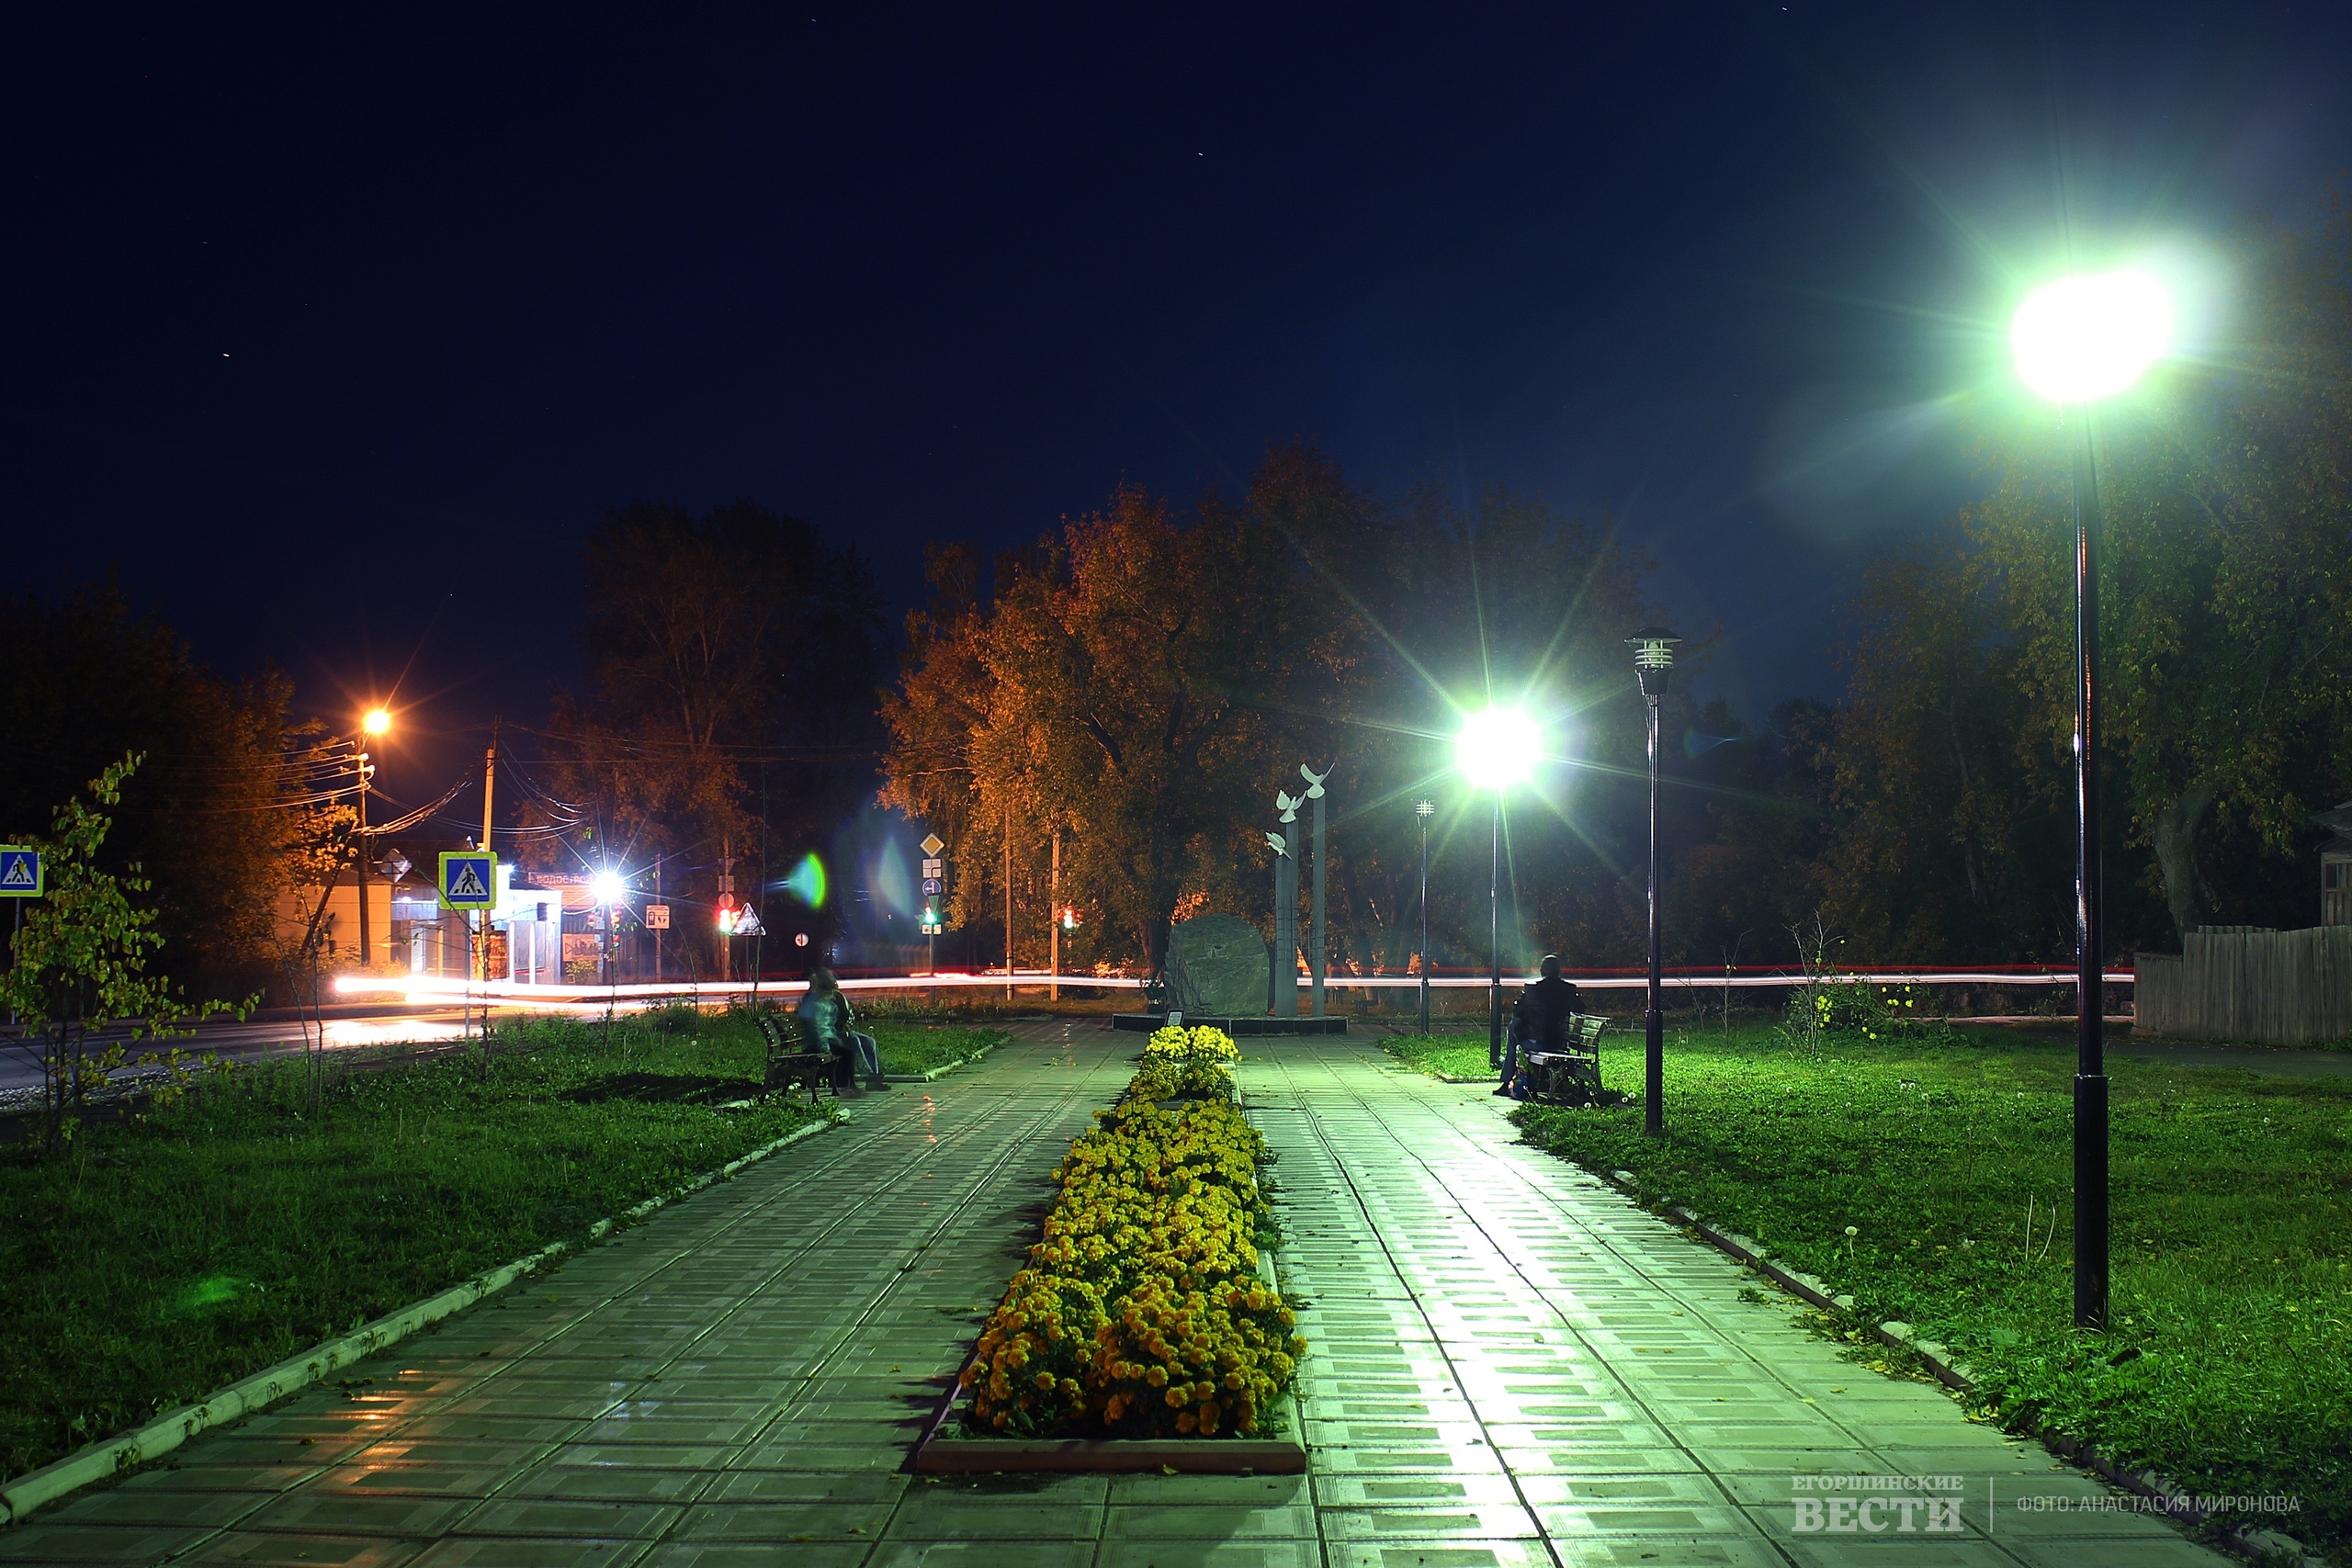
(657, 930)
(489, 815)
(359, 861)
(1008, 900)
(1422, 810)
(1053, 922)
(726, 905)
(760, 937)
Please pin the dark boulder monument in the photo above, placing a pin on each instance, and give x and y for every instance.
(1216, 968)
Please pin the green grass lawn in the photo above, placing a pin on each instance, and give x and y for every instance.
(2229, 1364)
(163, 1258)
(911, 1048)
(1457, 1058)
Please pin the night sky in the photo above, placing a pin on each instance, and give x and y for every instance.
(332, 333)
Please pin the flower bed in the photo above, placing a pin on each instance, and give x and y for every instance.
(1140, 1313)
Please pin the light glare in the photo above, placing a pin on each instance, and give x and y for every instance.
(607, 887)
(1497, 748)
(2084, 338)
(378, 721)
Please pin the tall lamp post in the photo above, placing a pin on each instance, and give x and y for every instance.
(1422, 810)
(378, 722)
(610, 892)
(1495, 750)
(2078, 340)
(1654, 663)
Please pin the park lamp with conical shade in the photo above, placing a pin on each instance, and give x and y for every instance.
(1653, 648)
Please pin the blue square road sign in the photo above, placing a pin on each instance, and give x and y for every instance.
(22, 875)
(469, 879)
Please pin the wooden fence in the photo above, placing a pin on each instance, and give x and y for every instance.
(2269, 988)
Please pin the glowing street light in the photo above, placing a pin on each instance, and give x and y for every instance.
(1496, 749)
(378, 722)
(607, 888)
(2076, 341)
(2084, 338)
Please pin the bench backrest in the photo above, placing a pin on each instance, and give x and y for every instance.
(782, 1039)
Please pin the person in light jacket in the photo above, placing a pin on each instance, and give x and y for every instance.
(825, 1021)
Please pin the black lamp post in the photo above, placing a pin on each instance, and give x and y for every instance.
(2078, 340)
(1652, 663)
(1422, 809)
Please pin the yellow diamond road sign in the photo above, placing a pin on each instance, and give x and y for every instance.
(931, 844)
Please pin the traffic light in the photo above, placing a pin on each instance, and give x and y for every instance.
(1069, 918)
(727, 914)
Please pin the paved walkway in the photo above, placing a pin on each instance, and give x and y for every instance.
(1510, 1364)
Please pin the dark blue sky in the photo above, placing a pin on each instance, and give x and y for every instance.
(335, 332)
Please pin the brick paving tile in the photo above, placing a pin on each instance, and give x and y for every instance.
(1510, 1365)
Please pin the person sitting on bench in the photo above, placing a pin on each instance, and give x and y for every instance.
(825, 1022)
(1540, 1019)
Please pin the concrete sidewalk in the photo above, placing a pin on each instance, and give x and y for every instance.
(1508, 1364)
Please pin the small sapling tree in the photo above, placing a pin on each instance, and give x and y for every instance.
(79, 983)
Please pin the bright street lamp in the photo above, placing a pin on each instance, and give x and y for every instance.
(2081, 339)
(1652, 664)
(607, 888)
(2076, 341)
(1496, 749)
(378, 721)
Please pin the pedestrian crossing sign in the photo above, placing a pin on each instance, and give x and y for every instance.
(469, 879)
(21, 873)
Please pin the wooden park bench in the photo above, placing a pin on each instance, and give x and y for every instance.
(789, 1066)
(1570, 1075)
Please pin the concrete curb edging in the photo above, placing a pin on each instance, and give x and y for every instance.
(2257, 1545)
(247, 1396)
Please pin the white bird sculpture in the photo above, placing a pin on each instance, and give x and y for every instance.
(1314, 781)
(1281, 846)
(1287, 806)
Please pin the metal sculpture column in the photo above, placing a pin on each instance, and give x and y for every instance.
(1317, 953)
(1286, 971)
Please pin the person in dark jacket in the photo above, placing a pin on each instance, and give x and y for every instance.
(825, 1021)
(1538, 1019)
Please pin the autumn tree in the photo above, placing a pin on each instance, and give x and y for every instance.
(84, 679)
(1124, 679)
(723, 649)
(1149, 683)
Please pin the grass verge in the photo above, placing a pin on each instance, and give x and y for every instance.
(167, 1256)
(1456, 1059)
(912, 1048)
(1932, 1179)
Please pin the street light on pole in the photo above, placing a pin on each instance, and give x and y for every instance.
(1422, 810)
(1652, 663)
(2076, 341)
(1496, 749)
(609, 891)
(378, 721)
